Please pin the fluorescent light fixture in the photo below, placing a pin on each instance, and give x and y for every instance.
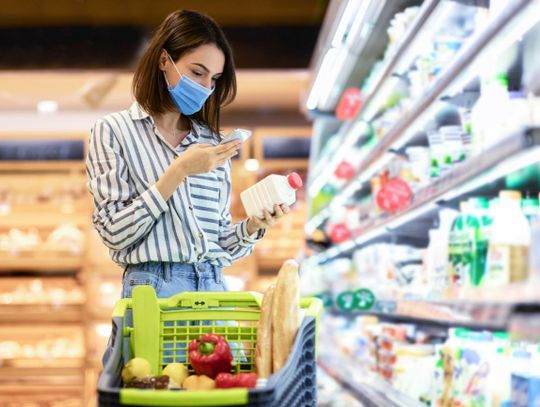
(359, 24)
(252, 164)
(508, 166)
(347, 18)
(326, 76)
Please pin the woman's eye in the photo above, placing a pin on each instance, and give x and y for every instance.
(197, 73)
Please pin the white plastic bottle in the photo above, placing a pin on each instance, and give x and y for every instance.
(507, 259)
(272, 190)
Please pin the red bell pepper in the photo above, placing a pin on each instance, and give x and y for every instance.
(210, 355)
(227, 380)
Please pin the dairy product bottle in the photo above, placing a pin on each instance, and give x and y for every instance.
(272, 190)
(509, 242)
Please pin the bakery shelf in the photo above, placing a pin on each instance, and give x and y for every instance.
(43, 219)
(40, 313)
(364, 386)
(512, 154)
(455, 72)
(46, 263)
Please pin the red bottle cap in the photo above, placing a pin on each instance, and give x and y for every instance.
(294, 180)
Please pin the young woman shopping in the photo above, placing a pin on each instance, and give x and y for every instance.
(160, 179)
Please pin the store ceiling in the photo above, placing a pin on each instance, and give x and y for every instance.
(65, 50)
(105, 34)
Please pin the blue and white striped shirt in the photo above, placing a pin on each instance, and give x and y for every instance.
(126, 157)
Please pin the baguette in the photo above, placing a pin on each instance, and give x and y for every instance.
(285, 313)
(263, 348)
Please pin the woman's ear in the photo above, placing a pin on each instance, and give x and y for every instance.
(163, 60)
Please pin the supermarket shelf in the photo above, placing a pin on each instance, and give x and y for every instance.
(375, 158)
(511, 154)
(40, 313)
(35, 166)
(46, 220)
(490, 308)
(370, 390)
(425, 12)
(41, 264)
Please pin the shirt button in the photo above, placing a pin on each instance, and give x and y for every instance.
(201, 235)
(199, 257)
(191, 208)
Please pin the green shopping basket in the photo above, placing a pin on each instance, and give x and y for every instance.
(160, 331)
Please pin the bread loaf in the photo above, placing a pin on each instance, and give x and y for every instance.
(285, 313)
(263, 348)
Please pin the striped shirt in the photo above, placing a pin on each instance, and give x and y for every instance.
(126, 157)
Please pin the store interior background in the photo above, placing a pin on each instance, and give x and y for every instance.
(67, 63)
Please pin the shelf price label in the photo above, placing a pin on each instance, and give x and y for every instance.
(394, 195)
(346, 301)
(349, 105)
(327, 299)
(365, 299)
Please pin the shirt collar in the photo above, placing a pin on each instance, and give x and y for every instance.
(137, 112)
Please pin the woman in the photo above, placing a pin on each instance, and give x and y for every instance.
(160, 180)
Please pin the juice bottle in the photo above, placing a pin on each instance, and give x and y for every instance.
(509, 242)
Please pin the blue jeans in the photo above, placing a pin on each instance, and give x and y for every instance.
(172, 278)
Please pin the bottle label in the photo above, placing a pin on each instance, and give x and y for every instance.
(507, 263)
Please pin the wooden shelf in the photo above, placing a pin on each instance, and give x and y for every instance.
(43, 220)
(53, 367)
(31, 166)
(40, 264)
(40, 313)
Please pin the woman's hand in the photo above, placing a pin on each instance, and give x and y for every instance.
(255, 224)
(203, 158)
(197, 159)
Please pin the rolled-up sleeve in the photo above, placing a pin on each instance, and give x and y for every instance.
(234, 238)
(121, 217)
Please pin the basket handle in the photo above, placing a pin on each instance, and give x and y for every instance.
(201, 300)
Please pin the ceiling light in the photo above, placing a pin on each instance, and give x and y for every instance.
(252, 164)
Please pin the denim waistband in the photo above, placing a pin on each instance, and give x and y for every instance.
(168, 269)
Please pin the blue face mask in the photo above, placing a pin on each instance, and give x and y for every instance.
(188, 95)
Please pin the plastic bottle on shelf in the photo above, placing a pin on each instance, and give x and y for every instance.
(509, 242)
(530, 208)
(489, 114)
(468, 243)
(272, 190)
(534, 255)
(459, 250)
(439, 245)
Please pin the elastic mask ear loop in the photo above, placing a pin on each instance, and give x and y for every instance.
(175, 68)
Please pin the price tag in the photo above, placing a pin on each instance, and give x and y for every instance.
(344, 171)
(349, 105)
(394, 195)
(346, 301)
(326, 298)
(365, 299)
(339, 233)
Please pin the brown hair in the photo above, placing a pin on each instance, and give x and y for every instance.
(181, 32)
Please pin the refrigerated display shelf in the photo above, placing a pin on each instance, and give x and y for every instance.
(425, 12)
(40, 313)
(499, 160)
(364, 386)
(463, 60)
(489, 308)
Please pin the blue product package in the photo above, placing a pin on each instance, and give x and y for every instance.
(534, 392)
(520, 390)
